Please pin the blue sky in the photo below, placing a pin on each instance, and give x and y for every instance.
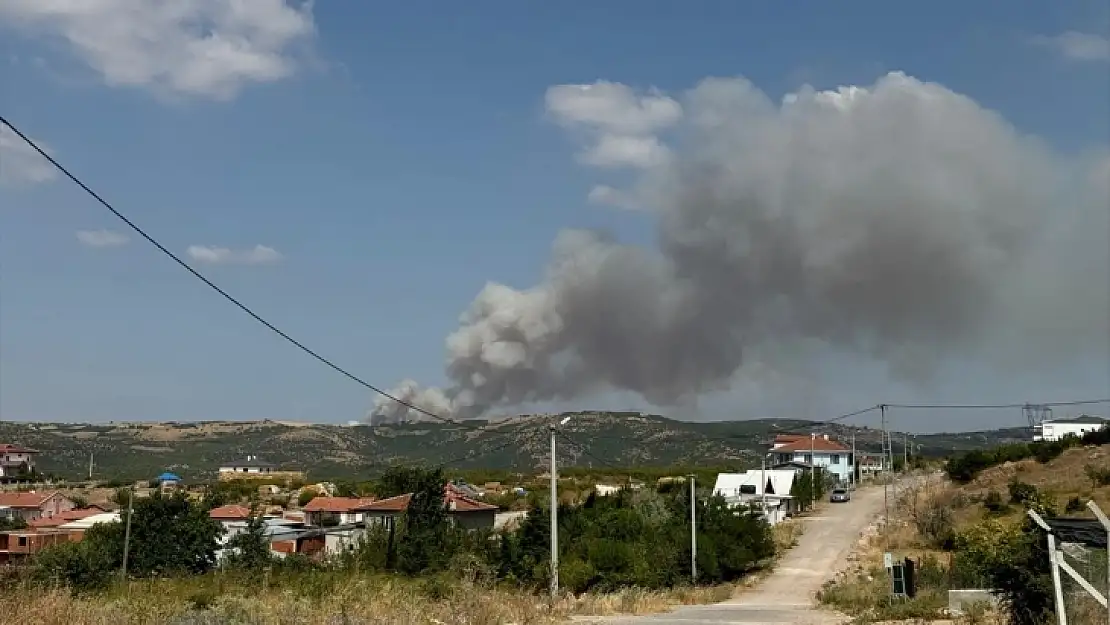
(390, 160)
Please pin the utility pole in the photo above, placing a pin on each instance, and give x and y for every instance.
(905, 452)
(886, 477)
(852, 482)
(555, 515)
(90, 465)
(812, 469)
(693, 533)
(763, 486)
(127, 530)
(554, 522)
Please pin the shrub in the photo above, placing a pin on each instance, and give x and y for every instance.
(935, 524)
(1022, 494)
(1099, 475)
(993, 502)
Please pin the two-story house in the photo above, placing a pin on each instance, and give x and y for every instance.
(15, 460)
(814, 450)
(33, 506)
(331, 511)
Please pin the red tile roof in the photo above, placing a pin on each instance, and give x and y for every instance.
(25, 500)
(816, 444)
(452, 498)
(230, 513)
(6, 448)
(65, 517)
(337, 504)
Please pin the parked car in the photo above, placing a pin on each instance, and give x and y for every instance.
(840, 495)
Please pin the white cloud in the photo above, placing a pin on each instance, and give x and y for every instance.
(102, 238)
(19, 163)
(606, 195)
(1077, 46)
(212, 255)
(614, 151)
(612, 107)
(206, 48)
(620, 124)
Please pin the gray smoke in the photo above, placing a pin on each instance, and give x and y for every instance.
(901, 222)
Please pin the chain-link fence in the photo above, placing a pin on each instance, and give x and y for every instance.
(1081, 607)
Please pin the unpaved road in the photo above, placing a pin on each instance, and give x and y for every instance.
(787, 595)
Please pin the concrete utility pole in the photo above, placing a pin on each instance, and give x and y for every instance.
(693, 533)
(555, 515)
(127, 531)
(852, 481)
(905, 452)
(886, 497)
(812, 469)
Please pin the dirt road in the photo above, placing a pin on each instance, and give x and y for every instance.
(787, 594)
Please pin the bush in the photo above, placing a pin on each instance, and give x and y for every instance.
(935, 524)
(1022, 494)
(993, 502)
(1099, 475)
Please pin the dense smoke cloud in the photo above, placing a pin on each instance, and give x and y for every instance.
(901, 222)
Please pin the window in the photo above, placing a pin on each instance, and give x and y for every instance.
(808, 459)
(22, 541)
(836, 459)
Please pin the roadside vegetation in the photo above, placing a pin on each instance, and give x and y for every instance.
(628, 552)
(971, 531)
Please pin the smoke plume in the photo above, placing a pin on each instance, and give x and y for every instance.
(901, 222)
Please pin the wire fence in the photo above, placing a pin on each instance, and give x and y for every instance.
(1081, 607)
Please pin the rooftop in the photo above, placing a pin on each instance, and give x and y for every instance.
(455, 501)
(337, 504)
(6, 448)
(25, 500)
(815, 444)
(230, 513)
(66, 517)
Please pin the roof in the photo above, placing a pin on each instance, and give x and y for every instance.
(168, 477)
(453, 499)
(89, 521)
(230, 513)
(1083, 418)
(25, 500)
(1088, 532)
(728, 484)
(66, 517)
(337, 504)
(250, 462)
(816, 444)
(6, 448)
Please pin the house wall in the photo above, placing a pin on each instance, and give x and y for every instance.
(480, 519)
(1056, 431)
(231, 473)
(836, 463)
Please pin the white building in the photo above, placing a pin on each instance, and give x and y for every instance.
(767, 490)
(13, 458)
(832, 456)
(251, 466)
(1056, 429)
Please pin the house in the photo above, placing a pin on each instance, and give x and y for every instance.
(231, 513)
(252, 467)
(831, 456)
(605, 490)
(1057, 429)
(34, 505)
(332, 511)
(466, 512)
(67, 516)
(765, 490)
(168, 482)
(76, 529)
(869, 464)
(16, 460)
(18, 545)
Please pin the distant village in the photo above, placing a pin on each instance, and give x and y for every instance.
(311, 520)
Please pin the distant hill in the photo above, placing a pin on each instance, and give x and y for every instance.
(195, 450)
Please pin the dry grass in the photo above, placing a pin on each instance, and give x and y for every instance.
(786, 535)
(335, 600)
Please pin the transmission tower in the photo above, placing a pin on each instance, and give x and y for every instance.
(1037, 414)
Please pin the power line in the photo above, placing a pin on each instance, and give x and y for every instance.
(1081, 402)
(212, 285)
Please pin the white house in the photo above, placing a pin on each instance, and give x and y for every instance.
(767, 490)
(832, 456)
(1056, 429)
(13, 458)
(252, 466)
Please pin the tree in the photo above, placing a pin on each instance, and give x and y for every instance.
(425, 542)
(249, 550)
(305, 497)
(401, 480)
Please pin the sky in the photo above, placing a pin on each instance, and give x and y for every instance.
(359, 173)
